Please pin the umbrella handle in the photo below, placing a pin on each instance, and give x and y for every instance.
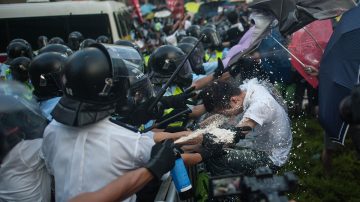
(288, 51)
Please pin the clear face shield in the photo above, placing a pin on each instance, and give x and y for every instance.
(183, 77)
(20, 116)
(196, 58)
(141, 88)
(128, 54)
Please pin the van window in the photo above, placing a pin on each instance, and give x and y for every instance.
(123, 23)
(31, 28)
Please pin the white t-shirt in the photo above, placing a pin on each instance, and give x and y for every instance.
(23, 175)
(273, 133)
(85, 159)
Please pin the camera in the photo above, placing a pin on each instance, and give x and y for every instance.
(264, 186)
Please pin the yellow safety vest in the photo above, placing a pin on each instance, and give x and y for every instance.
(175, 91)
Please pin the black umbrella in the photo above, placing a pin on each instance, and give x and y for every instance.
(295, 14)
(339, 73)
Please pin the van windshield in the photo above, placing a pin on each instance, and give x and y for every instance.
(30, 28)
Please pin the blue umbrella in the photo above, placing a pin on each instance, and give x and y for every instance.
(275, 60)
(339, 73)
(147, 8)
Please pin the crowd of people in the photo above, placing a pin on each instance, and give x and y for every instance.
(96, 120)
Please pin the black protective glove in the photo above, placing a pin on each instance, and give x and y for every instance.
(141, 114)
(162, 158)
(239, 132)
(210, 148)
(219, 70)
(180, 100)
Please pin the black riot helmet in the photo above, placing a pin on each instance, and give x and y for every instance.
(209, 25)
(86, 43)
(163, 63)
(42, 41)
(212, 37)
(193, 41)
(20, 116)
(58, 48)
(127, 43)
(45, 73)
(95, 79)
(195, 59)
(20, 69)
(74, 40)
(193, 30)
(18, 49)
(56, 40)
(103, 39)
(97, 74)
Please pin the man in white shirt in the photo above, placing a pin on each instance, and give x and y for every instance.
(269, 142)
(82, 148)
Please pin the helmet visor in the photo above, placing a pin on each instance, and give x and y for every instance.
(129, 54)
(20, 116)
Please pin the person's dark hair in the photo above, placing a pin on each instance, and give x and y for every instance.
(217, 95)
(233, 17)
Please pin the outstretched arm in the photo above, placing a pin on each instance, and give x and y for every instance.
(119, 189)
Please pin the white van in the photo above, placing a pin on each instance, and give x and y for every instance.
(91, 18)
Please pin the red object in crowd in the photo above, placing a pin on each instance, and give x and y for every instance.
(3, 58)
(176, 7)
(137, 10)
(308, 45)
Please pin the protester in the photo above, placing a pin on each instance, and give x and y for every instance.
(254, 106)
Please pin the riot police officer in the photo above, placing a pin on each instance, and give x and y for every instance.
(56, 40)
(103, 39)
(82, 148)
(19, 68)
(45, 74)
(59, 48)
(162, 64)
(193, 30)
(74, 40)
(23, 175)
(16, 48)
(42, 41)
(86, 43)
(195, 59)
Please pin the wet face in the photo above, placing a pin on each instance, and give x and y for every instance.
(235, 106)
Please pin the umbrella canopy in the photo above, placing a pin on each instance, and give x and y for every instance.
(252, 38)
(192, 7)
(295, 14)
(339, 73)
(274, 59)
(308, 45)
(147, 8)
